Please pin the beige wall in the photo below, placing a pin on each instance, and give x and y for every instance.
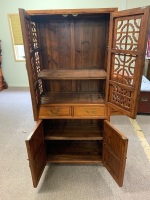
(15, 72)
(137, 3)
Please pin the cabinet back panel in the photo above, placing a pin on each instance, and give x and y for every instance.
(61, 124)
(89, 86)
(74, 42)
(90, 42)
(55, 37)
(75, 86)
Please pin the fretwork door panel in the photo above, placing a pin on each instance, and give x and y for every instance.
(126, 59)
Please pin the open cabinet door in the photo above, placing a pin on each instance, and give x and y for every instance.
(33, 58)
(114, 152)
(36, 153)
(126, 55)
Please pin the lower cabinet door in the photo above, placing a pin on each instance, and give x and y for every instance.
(114, 152)
(36, 153)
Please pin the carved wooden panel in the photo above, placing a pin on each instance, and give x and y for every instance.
(120, 96)
(127, 38)
(114, 152)
(127, 31)
(33, 58)
(36, 153)
(126, 59)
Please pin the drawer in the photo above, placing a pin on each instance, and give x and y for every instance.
(144, 103)
(54, 111)
(88, 111)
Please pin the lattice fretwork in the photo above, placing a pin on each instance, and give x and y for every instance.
(120, 97)
(127, 32)
(35, 66)
(34, 35)
(35, 60)
(123, 68)
(29, 35)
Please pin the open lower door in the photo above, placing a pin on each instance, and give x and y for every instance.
(36, 153)
(114, 152)
(128, 35)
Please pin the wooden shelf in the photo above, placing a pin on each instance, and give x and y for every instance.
(72, 74)
(74, 152)
(74, 135)
(72, 98)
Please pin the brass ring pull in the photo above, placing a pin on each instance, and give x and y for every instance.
(144, 99)
(56, 111)
(91, 111)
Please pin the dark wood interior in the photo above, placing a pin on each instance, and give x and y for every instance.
(81, 152)
(73, 47)
(74, 141)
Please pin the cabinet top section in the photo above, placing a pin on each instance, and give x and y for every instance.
(71, 11)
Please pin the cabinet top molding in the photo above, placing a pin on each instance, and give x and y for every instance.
(71, 11)
(82, 11)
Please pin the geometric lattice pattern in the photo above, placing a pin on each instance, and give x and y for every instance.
(121, 97)
(34, 58)
(127, 33)
(123, 68)
(125, 47)
(34, 35)
(37, 61)
(29, 36)
(126, 39)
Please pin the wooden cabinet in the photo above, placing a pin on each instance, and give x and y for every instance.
(144, 102)
(3, 84)
(81, 63)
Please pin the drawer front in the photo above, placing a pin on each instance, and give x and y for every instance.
(144, 103)
(88, 111)
(54, 111)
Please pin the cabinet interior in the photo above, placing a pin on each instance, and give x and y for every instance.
(72, 50)
(73, 141)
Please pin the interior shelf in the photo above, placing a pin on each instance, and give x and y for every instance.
(72, 98)
(76, 74)
(74, 135)
(72, 152)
